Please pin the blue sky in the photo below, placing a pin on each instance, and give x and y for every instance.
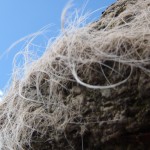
(21, 18)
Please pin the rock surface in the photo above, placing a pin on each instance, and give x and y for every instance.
(111, 119)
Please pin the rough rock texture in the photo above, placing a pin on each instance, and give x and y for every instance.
(111, 119)
(74, 116)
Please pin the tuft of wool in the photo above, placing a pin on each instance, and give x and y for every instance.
(89, 57)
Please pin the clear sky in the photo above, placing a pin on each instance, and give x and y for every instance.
(19, 18)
